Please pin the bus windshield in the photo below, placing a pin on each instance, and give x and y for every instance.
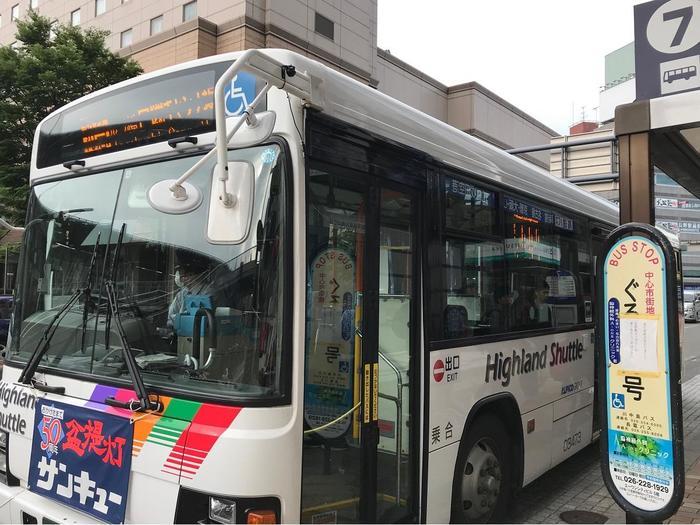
(199, 317)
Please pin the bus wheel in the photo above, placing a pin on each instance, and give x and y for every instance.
(483, 476)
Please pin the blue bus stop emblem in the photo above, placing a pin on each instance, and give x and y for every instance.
(239, 93)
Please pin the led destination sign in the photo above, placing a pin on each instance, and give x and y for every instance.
(152, 111)
(162, 119)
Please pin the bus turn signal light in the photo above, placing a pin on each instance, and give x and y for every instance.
(262, 517)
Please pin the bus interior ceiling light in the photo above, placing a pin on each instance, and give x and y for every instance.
(182, 197)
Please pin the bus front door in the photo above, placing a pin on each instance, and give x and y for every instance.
(359, 452)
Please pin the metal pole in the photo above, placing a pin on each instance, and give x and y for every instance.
(564, 162)
(399, 413)
(557, 145)
(4, 281)
(636, 179)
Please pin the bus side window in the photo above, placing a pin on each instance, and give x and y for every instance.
(548, 265)
(473, 262)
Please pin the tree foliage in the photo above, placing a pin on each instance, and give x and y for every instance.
(49, 66)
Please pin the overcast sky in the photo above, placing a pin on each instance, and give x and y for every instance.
(544, 56)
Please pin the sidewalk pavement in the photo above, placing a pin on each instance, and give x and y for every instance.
(577, 483)
(690, 509)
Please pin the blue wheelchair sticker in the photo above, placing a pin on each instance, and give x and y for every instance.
(618, 401)
(239, 93)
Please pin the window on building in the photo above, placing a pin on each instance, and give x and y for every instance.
(75, 17)
(126, 38)
(100, 7)
(156, 24)
(324, 26)
(0, 20)
(14, 13)
(33, 4)
(189, 11)
(662, 178)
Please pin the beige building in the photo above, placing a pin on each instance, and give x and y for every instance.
(340, 33)
(595, 167)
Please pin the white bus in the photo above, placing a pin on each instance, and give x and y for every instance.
(351, 313)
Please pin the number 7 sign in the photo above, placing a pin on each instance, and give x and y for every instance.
(667, 47)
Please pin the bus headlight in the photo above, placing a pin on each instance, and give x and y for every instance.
(200, 507)
(222, 510)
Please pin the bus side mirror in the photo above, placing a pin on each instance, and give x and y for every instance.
(230, 224)
(257, 128)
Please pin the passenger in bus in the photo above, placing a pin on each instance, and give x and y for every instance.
(540, 312)
(500, 316)
(190, 279)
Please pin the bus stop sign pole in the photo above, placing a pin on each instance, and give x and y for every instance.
(639, 373)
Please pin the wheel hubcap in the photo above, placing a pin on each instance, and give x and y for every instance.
(481, 482)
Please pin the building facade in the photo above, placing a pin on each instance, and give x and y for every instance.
(340, 33)
(595, 167)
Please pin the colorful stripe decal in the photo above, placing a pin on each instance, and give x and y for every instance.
(189, 429)
(192, 447)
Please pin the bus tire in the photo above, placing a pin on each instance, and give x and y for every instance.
(483, 482)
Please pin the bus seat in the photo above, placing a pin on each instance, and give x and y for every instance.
(456, 318)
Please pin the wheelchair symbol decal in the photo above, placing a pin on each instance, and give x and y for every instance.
(618, 401)
(239, 93)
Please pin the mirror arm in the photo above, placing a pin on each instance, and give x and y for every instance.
(223, 138)
(274, 73)
(179, 192)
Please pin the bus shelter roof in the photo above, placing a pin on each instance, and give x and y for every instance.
(673, 124)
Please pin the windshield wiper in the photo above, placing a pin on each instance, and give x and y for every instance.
(88, 293)
(43, 345)
(41, 349)
(144, 402)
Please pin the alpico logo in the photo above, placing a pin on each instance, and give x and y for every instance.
(438, 370)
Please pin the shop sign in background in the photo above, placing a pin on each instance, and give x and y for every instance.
(81, 458)
(640, 452)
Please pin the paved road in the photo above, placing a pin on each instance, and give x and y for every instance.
(577, 484)
(691, 351)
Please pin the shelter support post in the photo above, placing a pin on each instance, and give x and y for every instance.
(636, 179)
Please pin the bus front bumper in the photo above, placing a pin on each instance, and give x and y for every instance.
(19, 505)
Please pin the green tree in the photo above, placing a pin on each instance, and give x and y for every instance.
(50, 66)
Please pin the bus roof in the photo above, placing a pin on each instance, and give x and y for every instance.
(346, 99)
